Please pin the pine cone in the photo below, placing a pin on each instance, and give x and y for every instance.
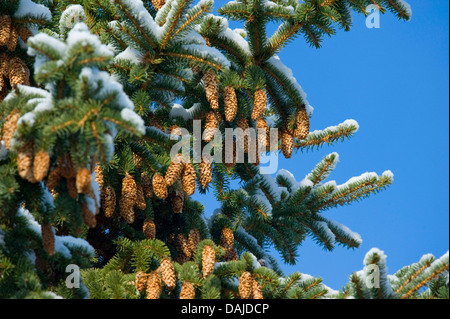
(177, 201)
(141, 281)
(154, 285)
(168, 273)
(109, 201)
(159, 186)
(174, 171)
(230, 254)
(48, 238)
(246, 285)
(128, 198)
(257, 290)
(230, 101)
(25, 162)
(53, 178)
(83, 181)
(302, 124)
(287, 143)
(149, 229)
(9, 127)
(211, 126)
(193, 240)
(4, 62)
(147, 185)
(205, 173)
(242, 138)
(183, 247)
(264, 135)
(227, 238)
(88, 215)
(140, 199)
(158, 4)
(24, 33)
(18, 72)
(99, 176)
(208, 260)
(13, 38)
(187, 291)
(67, 169)
(40, 165)
(5, 29)
(211, 89)
(259, 104)
(188, 179)
(229, 157)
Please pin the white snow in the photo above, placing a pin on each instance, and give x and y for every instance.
(131, 116)
(74, 13)
(80, 34)
(30, 8)
(354, 236)
(130, 54)
(179, 111)
(206, 52)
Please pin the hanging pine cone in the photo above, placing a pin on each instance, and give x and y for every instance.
(18, 72)
(13, 38)
(229, 156)
(67, 169)
(211, 126)
(40, 165)
(9, 127)
(53, 178)
(187, 291)
(140, 199)
(257, 290)
(149, 229)
(25, 162)
(99, 176)
(147, 185)
(154, 285)
(168, 273)
(24, 32)
(109, 201)
(242, 138)
(177, 201)
(193, 240)
(88, 215)
(208, 260)
(48, 238)
(128, 198)
(230, 101)
(188, 179)
(205, 173)
(302, 124)
(83, 181)
(263, 132)
(174, 171)
(158, 4)
(211, 84)
(287, 143)
(230, 254)
(141, 281)
(5, 29)
(246, 285)
(259, 104)
(4, 63)
(159, 186)
(227, 238)
(183, 247)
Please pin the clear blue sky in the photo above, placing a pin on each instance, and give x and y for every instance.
(394, 82)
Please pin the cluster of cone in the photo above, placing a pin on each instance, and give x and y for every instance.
(186, 246)
(12, 68)
(152, 283)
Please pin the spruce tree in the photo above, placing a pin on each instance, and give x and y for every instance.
(96, 97)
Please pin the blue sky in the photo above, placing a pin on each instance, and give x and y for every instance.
(394, 82)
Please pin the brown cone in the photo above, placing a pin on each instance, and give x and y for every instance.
(18, 72)
(230, 101)
(242, 140)
(48, 238)
(205, 173)
(208, 260)
(211, 126)
(141, 281)
(147, 185)
(230, 254)
(83, 181)
(302, 124)
(246, 285)
(264, 137)
(5, 29)
(187, 291)
(109, 201)
(24, 33)
(67, 169)
(25, 162)
(99, 176)
(40, 165)
(174, 171)
(13, 37)
(227, 238)
(128, 198)
(158, 4)
(188, 179)
(183, 247)
(4, 63)
(211, 89)
(159, 186)
(168, 273)
(193, 240)
(88, 215)
(177, 201)
(53, 178)
(257, 290)
(259, 104)
(140, 199)
(149, 229)
(287, 143)
(229, 157)
(9, 127)
(154, 285)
